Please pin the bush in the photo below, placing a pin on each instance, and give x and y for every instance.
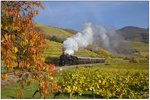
(103, 53)
(143, 60)
(54, 38)
(135, 60)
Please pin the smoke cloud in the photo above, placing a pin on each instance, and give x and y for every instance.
(97, 35)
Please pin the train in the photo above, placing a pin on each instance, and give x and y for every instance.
(66, 59)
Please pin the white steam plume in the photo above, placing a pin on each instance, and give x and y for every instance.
(97, 35)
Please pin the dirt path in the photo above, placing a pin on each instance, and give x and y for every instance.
(12, 78)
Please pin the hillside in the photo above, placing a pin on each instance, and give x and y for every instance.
(71, 31)
(134, 33)
(55, 50)
(54, 47)
(53, 31)
(131, 48)
(136, 40)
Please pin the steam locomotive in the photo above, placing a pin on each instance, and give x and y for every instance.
(66, 59)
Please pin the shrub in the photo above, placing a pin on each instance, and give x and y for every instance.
(103, 53)
(135, 60)
(54, 38)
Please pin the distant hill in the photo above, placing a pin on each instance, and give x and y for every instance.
(135, 33)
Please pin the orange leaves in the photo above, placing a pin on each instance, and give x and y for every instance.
(22, 46)
(38, 67)
(55, 87)
(44, 84)
(33, 50)
(20, 94)
(46, 93)
(30, 23)
(38, 3)
(4, 76)
(51, 69)
(35, 12)
(23, 64)
(43, 88)
(7, 41)
(31, 5)
(7, 62)
(14, 13)
(8, 51)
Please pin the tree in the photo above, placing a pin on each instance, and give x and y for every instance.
(22, 46)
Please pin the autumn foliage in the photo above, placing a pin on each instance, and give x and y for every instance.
(22, 46)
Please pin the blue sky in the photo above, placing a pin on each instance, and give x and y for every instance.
(73, 15)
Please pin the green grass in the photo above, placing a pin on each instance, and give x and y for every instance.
(11, 91)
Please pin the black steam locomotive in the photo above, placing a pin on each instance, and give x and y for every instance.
(66, 59)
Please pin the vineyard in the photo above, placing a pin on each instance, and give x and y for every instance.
(129, 80)
(109, 82)
(53, 31)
